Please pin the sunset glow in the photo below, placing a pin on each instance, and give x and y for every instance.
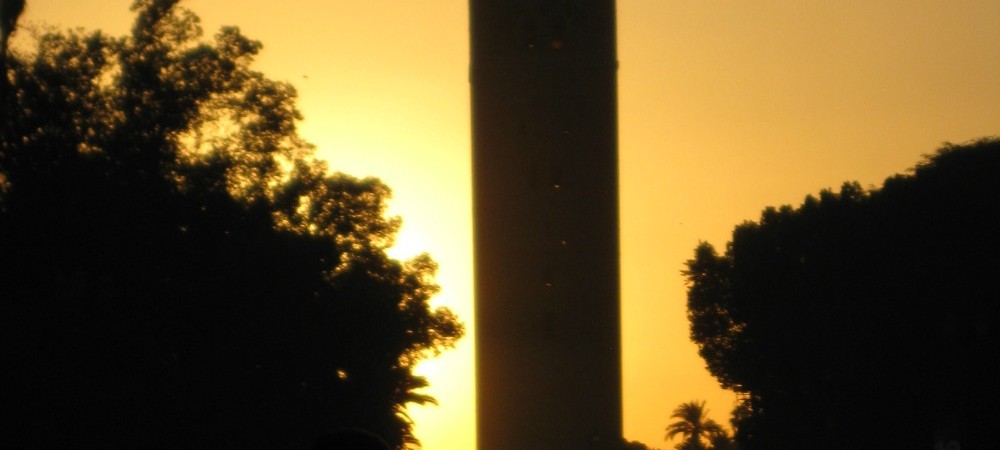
(725, 108)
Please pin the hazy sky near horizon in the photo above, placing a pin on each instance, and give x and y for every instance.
(725, 107)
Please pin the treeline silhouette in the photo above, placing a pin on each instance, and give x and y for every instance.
(176, 269)
(863, 319)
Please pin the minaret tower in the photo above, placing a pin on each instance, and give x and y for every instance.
(545, 194)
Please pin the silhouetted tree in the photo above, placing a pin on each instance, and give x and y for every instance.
(634, 445)
(742, 422)
(862, 307)
(692, 425)
(719, 439)
(177, 270)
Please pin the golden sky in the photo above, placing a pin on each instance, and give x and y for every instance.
(725, 107)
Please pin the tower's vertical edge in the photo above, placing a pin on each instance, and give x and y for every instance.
(545, 193)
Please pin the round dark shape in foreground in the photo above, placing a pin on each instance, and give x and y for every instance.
(350, 439)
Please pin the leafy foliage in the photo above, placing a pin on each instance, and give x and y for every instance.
(178, 271)
(861, 308)
(693, 425)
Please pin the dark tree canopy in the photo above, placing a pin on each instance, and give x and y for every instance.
(177, 270)
(863, 319)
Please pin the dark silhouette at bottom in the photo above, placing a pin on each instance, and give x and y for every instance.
(350, 439)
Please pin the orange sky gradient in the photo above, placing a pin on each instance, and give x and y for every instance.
(725, 107)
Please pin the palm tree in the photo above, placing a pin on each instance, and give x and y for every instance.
(693, 426)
